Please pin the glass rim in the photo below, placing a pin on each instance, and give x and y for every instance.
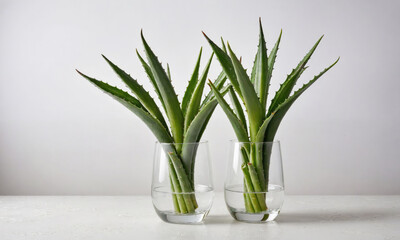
(237, 141)
(187, 143)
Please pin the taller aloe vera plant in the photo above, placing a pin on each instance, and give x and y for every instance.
(262, 120)
(187, 120)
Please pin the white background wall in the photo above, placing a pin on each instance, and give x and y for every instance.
(61, 135)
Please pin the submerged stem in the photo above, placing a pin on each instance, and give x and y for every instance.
(247, 201)
(187, 199)
(257, 187)
(176, 188)
(174, 197)
(183, 180)
(253, 185)
(250, 189)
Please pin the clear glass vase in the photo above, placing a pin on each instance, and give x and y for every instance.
(182, 189)
(254, 188)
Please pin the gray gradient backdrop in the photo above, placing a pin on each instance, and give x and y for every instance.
(60, 135)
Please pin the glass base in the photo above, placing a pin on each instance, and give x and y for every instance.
(261, 217)
(191, 218)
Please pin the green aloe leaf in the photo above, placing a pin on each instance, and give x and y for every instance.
(143, 96)
(169, 72)
(277, 117)
(167, 92)
(194, 133)
(286, 88)
(237, 107)
(135, 106)
(195, 99)
(219, 84)
(284, 107)
(223, 45)
(240, 131)
(272, 57)
(184, 181)
(192, 85)
(271, 63)
(223, 91)
(199, 123)
(260, 70)
(147, 69)
(263, 128)
(226, 64)
(251, 101)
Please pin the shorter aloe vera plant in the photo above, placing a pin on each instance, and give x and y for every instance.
(187, 120)
(263, 120)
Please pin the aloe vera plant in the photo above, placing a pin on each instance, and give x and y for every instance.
(187, 120)
(263, 120)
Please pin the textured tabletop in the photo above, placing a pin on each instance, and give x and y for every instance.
(133, 217)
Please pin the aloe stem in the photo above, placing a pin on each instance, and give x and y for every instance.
(254, 200)
(250, 189)
(257, 187)
(254, 196)
(176, 188)
(258, 163)
(247, 201)
(183, 181)
(174, 197)
(266, 162)
(247, 194)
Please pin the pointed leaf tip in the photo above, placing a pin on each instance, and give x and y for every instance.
(80, 73)
(142, 35)
(105, 58)
(205, 35)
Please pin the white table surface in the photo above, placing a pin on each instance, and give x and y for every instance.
(133, 217)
